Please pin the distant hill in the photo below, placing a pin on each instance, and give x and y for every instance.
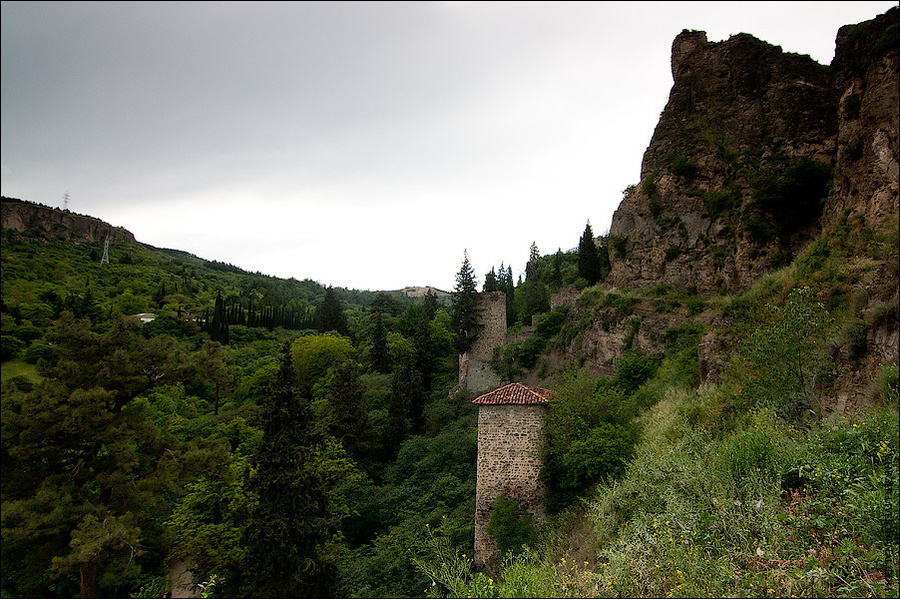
(30, 220)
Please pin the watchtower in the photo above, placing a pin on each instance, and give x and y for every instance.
(510, 421)
(475, 372)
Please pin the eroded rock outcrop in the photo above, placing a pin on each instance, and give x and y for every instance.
(745, 127)
(52, 223)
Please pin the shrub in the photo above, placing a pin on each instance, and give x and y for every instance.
(648, 186)
(590, 436)
(890, 39)
(852, 106)
(511, 531)
(633, 370)
(695, 305)
(619, 244)
(785, 356)
(792, 199)
(853, 338)
(721, 201)
(682, 167)
(672, 252)
(10, 346)
(40, 350)
(602, 452)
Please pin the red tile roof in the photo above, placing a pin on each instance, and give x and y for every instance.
(514, 393)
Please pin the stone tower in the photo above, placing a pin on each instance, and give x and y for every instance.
(475, 372)
(510, 423)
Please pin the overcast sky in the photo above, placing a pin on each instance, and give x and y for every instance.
(361, 145)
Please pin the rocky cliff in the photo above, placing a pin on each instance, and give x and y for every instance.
(45, 222)
(755, 152)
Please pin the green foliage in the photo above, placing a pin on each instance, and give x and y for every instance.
(208, 520)
(451, 573)
(288, 531)
(512, 532)
(853, 338)
(464, 307)
(589, 434)
(791, 199)
(80, 439)
(682, 167)
(619, 244)
(672, 252)
(699, 516)
(510, 359)
(785, 358)
(593, 261)
(330, 314)
(650, 189)
(719, 202)
(889, 40)
(313, 355)
(633, 369)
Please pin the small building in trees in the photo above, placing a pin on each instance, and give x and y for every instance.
(510, 423)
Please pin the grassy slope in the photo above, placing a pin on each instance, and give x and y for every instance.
(726, 498)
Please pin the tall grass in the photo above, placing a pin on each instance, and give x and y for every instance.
(766, 509)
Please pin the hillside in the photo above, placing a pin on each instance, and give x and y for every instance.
(760, 160)
(724, 416)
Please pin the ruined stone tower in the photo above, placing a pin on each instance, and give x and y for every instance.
(475, 372)
(510, 423)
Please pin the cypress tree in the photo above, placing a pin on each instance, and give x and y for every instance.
(556, 271)
(331, 315)
(505, 282)
(286, 530)
(534, 258)
(589, 265)
(490, 281)
(379, 356)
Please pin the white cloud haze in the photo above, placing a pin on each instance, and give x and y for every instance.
(363, 145)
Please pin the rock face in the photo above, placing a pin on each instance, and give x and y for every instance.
(712, 210)
(52, 223)
(867, 171)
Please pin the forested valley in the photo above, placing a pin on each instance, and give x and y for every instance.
(283, 438)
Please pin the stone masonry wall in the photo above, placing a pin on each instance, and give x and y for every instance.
(509, 446)
(492, 317)
(474, 367)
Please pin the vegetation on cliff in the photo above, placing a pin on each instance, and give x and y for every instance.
(708, 435)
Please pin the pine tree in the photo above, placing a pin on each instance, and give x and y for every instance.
(79, 466)
(464, 305)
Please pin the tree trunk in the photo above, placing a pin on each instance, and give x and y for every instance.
(88, 582)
